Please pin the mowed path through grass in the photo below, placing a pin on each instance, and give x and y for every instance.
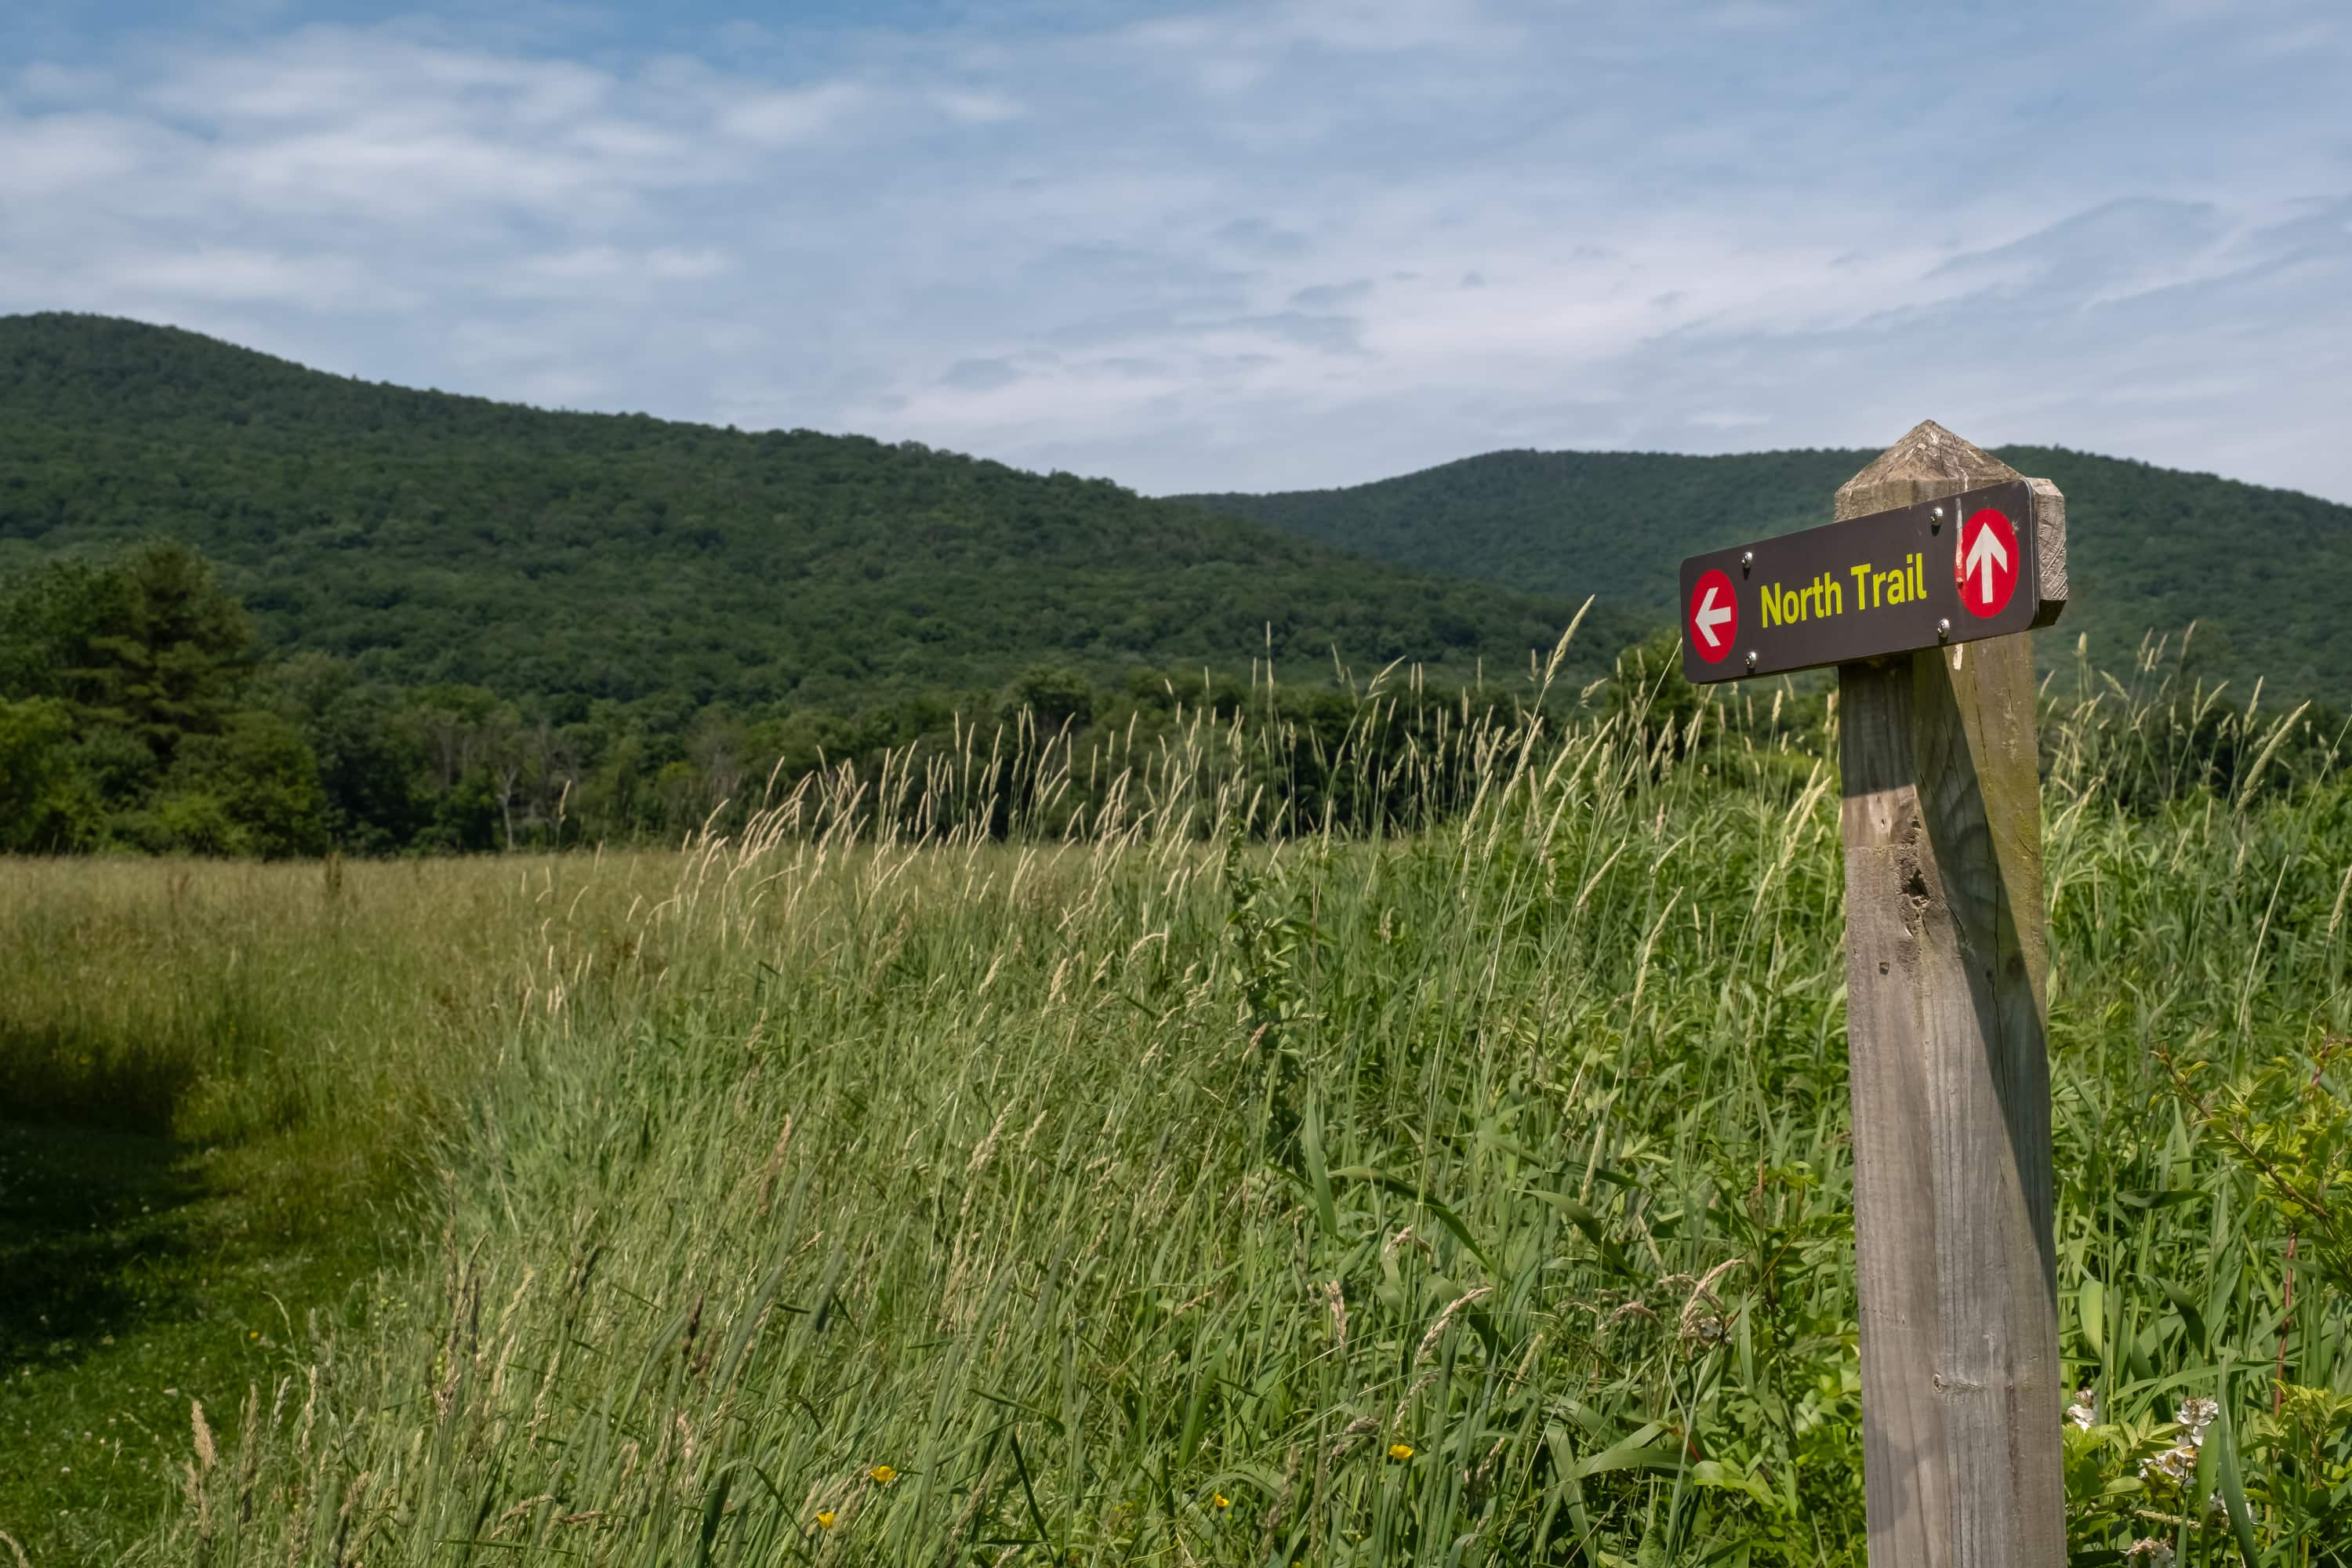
(841, 1192)
(220, 1089)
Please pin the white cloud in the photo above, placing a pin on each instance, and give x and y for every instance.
(598, 265)
(316, 283)
(66, 155)
(323, 74)
(1253, 245)
(782, 119)
(980, 107)
(44, 81)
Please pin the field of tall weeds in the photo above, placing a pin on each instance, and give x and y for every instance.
(1089, 1156)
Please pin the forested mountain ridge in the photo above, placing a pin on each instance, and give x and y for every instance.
(2260, 571)
(432, 537)
(249, 608)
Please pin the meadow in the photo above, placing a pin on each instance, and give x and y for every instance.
(918, 1169)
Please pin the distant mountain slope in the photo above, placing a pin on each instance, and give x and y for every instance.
(432, 537)
(2264, 573)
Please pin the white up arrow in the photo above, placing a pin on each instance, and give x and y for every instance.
(1984, 552)
(1711, 616)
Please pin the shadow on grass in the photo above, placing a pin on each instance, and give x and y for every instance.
(86, 1215)
(140, 1274)
(61, 1073)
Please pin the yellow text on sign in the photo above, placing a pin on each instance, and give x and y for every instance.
(1825, 595)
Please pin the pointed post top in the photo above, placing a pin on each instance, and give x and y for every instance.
(1928, 463)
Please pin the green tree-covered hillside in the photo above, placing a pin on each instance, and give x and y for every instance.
(428, 538)
(2261, 572)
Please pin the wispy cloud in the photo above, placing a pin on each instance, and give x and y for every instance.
(785, 119)
(1246, 245)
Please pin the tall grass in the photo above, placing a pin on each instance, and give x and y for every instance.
(928, 1173)
(326, 1015)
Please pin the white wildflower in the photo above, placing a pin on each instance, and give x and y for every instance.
(1702, 1329)
(2085, 1412)
(2158, 1553)
(2197, 1415)
(2174, 1465)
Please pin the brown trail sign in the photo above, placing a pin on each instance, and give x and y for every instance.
(1946, 974)
(1928, 574)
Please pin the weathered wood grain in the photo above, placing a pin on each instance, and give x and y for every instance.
(1945, 969)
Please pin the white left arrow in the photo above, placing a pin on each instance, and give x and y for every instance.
(1985, 552)
(1711, 616)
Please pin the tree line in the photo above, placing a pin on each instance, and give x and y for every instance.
(141, 712)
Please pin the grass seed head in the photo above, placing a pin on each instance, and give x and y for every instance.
(206, 1456)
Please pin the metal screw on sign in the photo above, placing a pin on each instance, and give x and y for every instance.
(1944, 629)
(1751, 659)
(1936, 519)
(1746, 561)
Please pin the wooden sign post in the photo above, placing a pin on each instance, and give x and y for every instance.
(1946, 997)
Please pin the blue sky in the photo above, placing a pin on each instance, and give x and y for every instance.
(1237, 246)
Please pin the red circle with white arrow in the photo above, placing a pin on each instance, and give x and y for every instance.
(1984, 563)
(1714, 617)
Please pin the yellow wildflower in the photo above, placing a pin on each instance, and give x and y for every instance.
(825, 1520)
(1400, 1451)
(1220, 1499)
(883, 1475)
